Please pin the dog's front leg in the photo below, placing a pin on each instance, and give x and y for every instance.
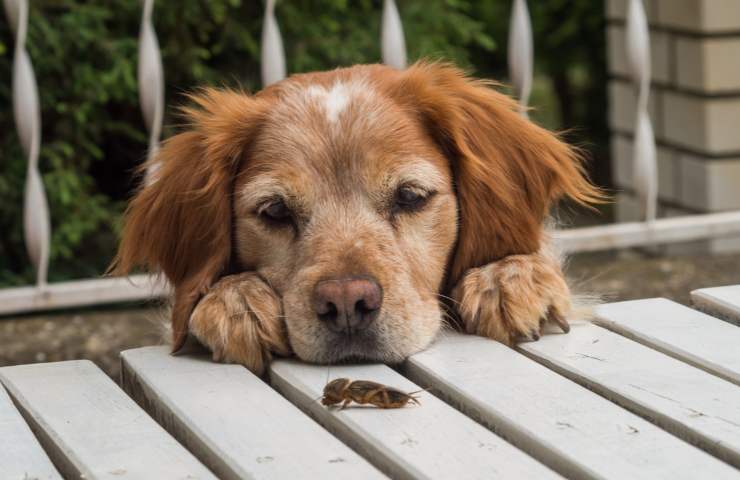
(510, 300)
(240, 319)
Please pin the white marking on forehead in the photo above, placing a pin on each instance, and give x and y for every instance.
(336, 99)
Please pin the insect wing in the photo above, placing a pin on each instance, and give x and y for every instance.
(335, 391)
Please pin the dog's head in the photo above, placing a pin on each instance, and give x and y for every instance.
(360, 195)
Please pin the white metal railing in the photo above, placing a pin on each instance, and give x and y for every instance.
(45, 296)
(151, 84)
(26, 111)
(645, 166)
(520, 55)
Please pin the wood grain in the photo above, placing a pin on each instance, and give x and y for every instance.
(723, 302)
(690, 403)
(233, 421)
(681, 332)
(564, 425)
(21, 455)
(430, 440)
(91, 429)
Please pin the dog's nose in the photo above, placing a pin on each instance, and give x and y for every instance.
(348, 305)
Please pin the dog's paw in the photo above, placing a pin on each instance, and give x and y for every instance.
(512, 299)
(240, 319)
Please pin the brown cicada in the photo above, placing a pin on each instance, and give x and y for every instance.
(345, 391)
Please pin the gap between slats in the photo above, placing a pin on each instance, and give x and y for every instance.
(48, 447)
(669, 347)
(152, 403)
(500, 426)
(454, 385)
(713, 301)
(692, 434)
(666, 350)
(401, 460)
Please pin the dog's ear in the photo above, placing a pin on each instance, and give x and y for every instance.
(508, 171)
(179, 222)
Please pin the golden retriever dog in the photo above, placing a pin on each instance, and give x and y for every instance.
(350, 214)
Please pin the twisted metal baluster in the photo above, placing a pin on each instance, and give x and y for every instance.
(520, 54)
(644, 158)
(392, 41)
(27, 113)
(151, 85)
(272, 54)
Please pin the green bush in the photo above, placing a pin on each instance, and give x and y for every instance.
(85, 53)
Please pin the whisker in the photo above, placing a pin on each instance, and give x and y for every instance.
(447, 298)
(252, 312)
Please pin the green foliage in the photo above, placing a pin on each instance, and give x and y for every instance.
(84, 55)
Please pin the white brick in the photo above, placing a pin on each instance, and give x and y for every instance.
(708, 65)
(669, 174)
(710, 185)
(701, 16)
(659, 54)
(621, 153)
(706, 125)
(626, 208)
(622, 101)
(617, 10)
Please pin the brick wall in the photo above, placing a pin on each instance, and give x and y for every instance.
(694, 106)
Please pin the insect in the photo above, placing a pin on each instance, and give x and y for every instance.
(345, 391)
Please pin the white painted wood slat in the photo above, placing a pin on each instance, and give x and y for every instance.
(723, 302)
(571, 429)
(692, 404)
(91, 429)
(431, 440)
(21, 455)
(82, 293)
(679, 331)
(661, 230)
(233, 421)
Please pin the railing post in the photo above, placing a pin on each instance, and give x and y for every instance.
(27, 113)
(520, 55)
(151, 85)
(392, 41)
(272, 52)
(644, 158)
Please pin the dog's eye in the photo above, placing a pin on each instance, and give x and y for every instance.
(276, 211)
(410, 198)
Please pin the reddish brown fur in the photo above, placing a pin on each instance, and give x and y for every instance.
(500, 171)
(182, 226)
(508, 170)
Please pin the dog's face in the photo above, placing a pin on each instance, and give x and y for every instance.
(359, 195)
(346, 208)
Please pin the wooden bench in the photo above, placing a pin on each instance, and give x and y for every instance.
(650, 389)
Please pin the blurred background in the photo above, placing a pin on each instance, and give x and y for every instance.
(84, 55)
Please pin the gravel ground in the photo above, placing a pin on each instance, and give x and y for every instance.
(99, 335)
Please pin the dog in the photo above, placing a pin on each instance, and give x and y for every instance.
(351, 214)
